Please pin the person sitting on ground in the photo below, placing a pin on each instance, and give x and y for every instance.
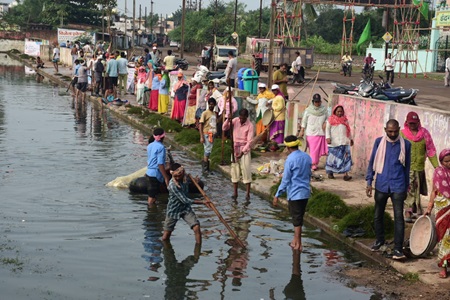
(179, 205)
(207, 129)
(296, 182)
(242, 137)
(39, 62)
(156, 169)
(440, 200)
(339, 140)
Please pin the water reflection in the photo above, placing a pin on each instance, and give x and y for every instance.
(294, 289)
(178, 272)
(80, 115)
(153, 224)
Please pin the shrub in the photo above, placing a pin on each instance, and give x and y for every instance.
(326, 204)
(363, 218)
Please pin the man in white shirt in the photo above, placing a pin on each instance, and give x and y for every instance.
(298, 69)
(231, 69)
(55, 58)
(447, 71)
(389, 65)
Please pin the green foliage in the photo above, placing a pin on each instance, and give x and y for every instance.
(216, 153)
(363, 218)
(411, 277)
(168, 124)
(134, 110)
(326, 204)
(321, 46)
(187, 136)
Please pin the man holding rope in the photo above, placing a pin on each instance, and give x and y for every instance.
(296, 182)
(242, 137)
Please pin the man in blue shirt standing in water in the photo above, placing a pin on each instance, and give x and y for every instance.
(296, 182)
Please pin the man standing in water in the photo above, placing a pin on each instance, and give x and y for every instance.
(242, 137)
(296, 182)
(156, 165)
(390, 161)
(55, 58)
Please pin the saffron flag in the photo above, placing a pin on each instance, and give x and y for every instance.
(365, 36)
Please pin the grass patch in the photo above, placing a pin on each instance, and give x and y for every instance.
(326, 204)
(134, 110)
(243, 60)
(363, 218)
(411, 277)
(168, 124)
(187, 136)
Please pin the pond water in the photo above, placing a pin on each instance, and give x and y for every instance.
(65, 235)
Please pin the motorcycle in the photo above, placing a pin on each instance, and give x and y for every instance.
(369, 70)
(345, 89)
(347, 68)
(181, 63)
(383, 91)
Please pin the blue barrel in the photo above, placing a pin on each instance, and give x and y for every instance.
(240, 82)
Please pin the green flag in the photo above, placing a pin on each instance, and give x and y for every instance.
(365, 36)
(423, 8)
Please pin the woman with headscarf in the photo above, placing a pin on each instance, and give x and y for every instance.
(163, 96)
(181, 89)
(276, 131)
(440, 200)
(223, 105)
(339, 140)
(422, 146)
(313, 126)
(140, 85)
(191, 107)
(154, 95)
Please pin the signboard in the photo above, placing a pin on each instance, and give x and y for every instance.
(387, 37)
(65, 35)
(32, 48)
(443, 18)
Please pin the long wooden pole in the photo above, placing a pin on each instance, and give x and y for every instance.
(233, 159)
(271, 41)
(213, 207)
(183, 16)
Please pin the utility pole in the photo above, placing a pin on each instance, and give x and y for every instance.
(133, 24)
(260, 18)
(126, 36)
(183, 15)
(145, 20)
(151, 18)
(271, 34)
(200, 5)
(235, 14)
(103, 22)
(140, 19)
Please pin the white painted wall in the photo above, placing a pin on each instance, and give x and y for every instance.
(7, 45)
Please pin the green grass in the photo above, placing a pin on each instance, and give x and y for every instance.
(326, 205)
(411, 277)
(168, 124)
(363, 217)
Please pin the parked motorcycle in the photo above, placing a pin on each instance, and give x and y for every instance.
(345, 89)
(182, 64)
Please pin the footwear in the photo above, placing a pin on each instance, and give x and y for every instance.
(331, 176)
(376, 246)
(397, 255)
(408, 217)
(314, 167)
(347, 178)
(443, 273)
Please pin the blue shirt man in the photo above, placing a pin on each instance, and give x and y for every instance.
(112, 68)
(156, 159)
(296, 181)
(390, 160)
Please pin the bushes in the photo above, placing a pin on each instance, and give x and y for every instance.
(363, 218)
(326, 204)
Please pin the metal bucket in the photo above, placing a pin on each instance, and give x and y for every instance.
(267, 117)
(423, 236)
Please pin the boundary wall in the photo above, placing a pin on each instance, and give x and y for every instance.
(367, 120)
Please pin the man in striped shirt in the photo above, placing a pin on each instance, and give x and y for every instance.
(179, 205)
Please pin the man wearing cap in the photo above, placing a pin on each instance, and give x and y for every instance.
(242, 138)
(422, 146)
(296, 183)
(280, 78)
(231, 69)
(262, 105)
(155, 55)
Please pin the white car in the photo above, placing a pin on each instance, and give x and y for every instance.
(173, 44)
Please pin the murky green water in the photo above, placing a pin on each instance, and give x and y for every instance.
(64, 235)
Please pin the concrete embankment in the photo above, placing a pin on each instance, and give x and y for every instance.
(352, 192)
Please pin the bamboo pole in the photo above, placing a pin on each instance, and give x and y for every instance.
(233, 159)
(211, 205)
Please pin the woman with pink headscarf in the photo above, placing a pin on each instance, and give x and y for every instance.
(422, 146)
(440, 200)
(181, 89)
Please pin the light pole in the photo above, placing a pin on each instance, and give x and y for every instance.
(272, 33)
(235, 14)
(151, 19)
(182, 28)
(133, 24)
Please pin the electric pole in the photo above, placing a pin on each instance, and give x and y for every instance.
(126, 36)
(272, 29)
(145, 20)
(260, 18)
(183, 15)
(133, 24)
(235, 14)
(151, 18)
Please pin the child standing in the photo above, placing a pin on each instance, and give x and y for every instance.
(179, 205)
(208, 128)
